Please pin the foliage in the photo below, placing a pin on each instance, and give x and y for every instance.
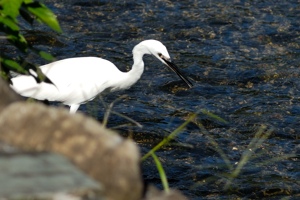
(231, 170)
(161, 172)
(170, 137)
(29, 10)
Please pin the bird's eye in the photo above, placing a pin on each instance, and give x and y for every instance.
(160, 55)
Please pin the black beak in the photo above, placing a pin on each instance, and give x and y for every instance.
(175, 69)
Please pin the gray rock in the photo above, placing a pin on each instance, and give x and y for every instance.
(7, 95)
(112, 161)
(154, 194)
(42, 176)
(100, 153)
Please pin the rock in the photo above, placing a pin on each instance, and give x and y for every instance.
(112, 161)
(7, 95)
(154, 194)
(42, 176)
(101, 153)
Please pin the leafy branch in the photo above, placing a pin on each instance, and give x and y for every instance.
(29, 10)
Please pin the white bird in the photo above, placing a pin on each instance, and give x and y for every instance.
(78, 80)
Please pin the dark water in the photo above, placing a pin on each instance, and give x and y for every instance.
(243, 58)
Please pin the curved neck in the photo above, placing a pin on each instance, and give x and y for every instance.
(138, 64)
(132, 76)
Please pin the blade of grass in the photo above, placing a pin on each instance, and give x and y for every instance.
(127, 118)
(258, 139)
(215, 146)
(110, 111)
(170, 137)
(257, 136)
(212, 141)
(274, 160)
(210, 179)
(214, 116)
(161, 172)
(107, 113)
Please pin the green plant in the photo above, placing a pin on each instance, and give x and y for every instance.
(231, 171)
(109, 111)
(29, 10)
(161, 172)
(165, 141)
(170, 137)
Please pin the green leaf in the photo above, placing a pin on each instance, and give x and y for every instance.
(46, 56)
(13, 65)
(44, 14)
(216, 117)
(170, 137)
(19, 41)
(161, 172)
(11, 7)
(27, 1)
(9, 23)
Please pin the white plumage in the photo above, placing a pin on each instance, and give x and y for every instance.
(77, 80)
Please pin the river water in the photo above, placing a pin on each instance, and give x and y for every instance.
(243, 58)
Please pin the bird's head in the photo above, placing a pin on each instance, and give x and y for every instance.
(159, 50)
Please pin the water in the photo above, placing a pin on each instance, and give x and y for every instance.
(243, 58)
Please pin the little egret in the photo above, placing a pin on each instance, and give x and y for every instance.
(78, 80)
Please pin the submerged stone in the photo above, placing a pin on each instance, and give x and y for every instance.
(42, 176)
